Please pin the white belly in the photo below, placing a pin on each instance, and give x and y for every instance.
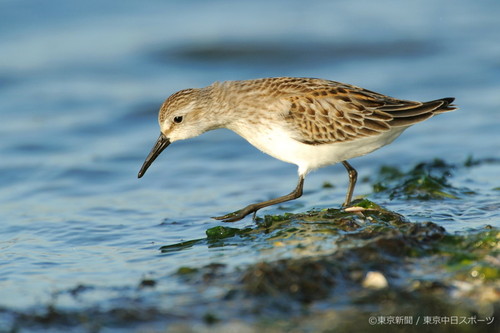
(278, 144)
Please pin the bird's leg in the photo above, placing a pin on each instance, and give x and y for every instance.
(353, 177)
(253, 208)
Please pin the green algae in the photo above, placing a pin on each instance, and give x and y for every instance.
(221, 232)
(472, 256)
(372, 239)
(426, 181)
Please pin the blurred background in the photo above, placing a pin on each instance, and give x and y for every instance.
(81, 84)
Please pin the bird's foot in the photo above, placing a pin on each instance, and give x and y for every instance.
(239, 214)
(231, 217)
(345, 205)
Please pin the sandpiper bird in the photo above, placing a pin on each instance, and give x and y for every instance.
(305, 121)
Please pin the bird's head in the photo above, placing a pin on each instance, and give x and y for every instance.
(183, 115)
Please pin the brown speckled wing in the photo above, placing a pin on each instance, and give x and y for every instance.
(330, 112)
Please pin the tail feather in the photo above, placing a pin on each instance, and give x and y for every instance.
(446, 105)
(415, 114)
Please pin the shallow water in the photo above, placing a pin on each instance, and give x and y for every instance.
(80, 85)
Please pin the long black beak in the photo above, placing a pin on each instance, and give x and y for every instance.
(160, 145)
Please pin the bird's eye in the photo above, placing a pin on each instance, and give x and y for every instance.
(178, 119)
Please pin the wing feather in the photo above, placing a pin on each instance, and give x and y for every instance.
(325, 112)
